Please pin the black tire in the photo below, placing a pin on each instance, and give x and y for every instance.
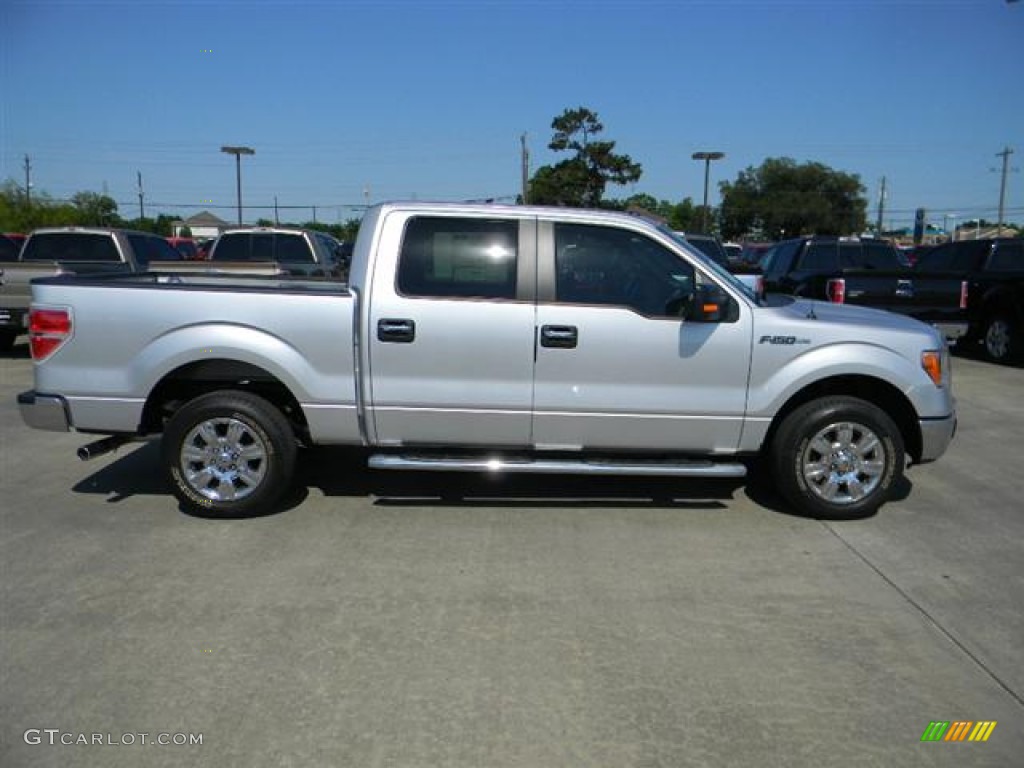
(229, 454)
(7, 339)
(837, 458)
(1001, 339)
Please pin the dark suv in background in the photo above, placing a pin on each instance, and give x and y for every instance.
(865, 271)
(993, 271)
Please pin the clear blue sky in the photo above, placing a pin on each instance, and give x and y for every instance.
(381, 99)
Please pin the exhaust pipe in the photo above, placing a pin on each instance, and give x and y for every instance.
(100, 447)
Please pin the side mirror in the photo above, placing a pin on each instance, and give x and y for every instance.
(711, 304)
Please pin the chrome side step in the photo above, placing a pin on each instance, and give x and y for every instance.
(638, 467)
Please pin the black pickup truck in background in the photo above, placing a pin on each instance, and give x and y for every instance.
(993, 270)
(72, 250)
(866, 272)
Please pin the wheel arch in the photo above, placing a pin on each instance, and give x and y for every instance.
(868, 388)
(189, 381)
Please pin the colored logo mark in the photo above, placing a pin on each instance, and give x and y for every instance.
(958, 730)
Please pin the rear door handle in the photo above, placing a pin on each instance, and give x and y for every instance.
(559, 336)
(396, 330)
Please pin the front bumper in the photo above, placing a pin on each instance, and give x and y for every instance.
(936, 435)
(49, 412)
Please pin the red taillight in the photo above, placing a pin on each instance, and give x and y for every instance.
(835, 290)
(47, 330)
(963, 294)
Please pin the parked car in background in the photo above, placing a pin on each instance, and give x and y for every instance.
(72, 250)
(865, 271)
(711, 246)
(753, 252)
(203, 248)
(17, 238)
(272, 251)
(734, 253)
(993, 271)
(9, 249)
(185, 246)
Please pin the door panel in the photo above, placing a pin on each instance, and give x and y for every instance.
(451, 340)
(636, 378)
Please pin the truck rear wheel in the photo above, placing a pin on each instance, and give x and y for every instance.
(837, 458)
(1002, 341)
(229, 454)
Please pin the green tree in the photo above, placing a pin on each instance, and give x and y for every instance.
(680, 216)
(784, 199)
(581, 180)
(95, 209)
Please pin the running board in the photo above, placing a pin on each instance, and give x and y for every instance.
(595, 466)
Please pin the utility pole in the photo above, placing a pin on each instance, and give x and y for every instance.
(314, 214)
(1005, 154)
(881, 210)
(28, 182)
(142, 207)
(277, 221)
(526, 168)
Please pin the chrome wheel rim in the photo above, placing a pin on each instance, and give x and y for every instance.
(223, 459)
(997, 338)
(843, 463)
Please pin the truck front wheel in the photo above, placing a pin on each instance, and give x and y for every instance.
(837, 458)
(229, 454)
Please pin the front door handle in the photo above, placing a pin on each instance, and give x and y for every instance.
(559, 336)
(396, 330)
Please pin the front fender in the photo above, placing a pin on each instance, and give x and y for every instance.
(773, 385)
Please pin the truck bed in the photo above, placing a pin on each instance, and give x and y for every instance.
(181, 326)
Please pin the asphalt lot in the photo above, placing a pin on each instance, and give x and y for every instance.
(446, 620)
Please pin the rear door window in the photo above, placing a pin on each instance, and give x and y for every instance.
(461, 258)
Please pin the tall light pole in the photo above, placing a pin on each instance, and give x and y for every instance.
(238, 152)
(1005, 154)
(707, 157)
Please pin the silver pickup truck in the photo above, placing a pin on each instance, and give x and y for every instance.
(492, 339)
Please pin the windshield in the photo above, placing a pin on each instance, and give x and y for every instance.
(712, 266)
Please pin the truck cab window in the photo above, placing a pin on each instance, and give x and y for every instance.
(602, 265)
(459, 258)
